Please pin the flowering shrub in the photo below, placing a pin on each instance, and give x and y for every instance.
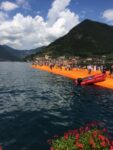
(90, 137)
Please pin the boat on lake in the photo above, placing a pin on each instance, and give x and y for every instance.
(91, 79)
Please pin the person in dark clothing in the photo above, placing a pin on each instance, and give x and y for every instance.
(104, 69)
(111, 71)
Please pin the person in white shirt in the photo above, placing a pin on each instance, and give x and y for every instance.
(89, 69)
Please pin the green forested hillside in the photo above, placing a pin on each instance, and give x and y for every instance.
(9, 54)
(86, 39)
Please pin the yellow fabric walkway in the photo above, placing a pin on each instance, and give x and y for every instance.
(73, 74)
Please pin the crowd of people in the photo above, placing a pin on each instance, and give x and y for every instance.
(67, 64)
(70, 64)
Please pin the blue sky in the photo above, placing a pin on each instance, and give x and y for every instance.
(27, 24)
(93, 8)
(84, 8)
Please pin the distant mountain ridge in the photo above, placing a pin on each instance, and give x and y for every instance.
(9, 54)
(86, 39)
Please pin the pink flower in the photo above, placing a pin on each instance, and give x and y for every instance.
(51, 148)
(65, 136)
(95, 134)
(75, 131)
(92, 143)
(103, 144)
(101, 137)
(79, 145)
(107, 140)
(70, 132)
(111, 148)
(86, 128)
(81, 130)
(105, 130)
(77, 136)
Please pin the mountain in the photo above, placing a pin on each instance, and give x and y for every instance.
(28, 56)
(86, 39)
(9, 54)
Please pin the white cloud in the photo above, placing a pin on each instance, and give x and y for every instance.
(108, 15)
(3, 16)
(57, 7)
(27, 32)
(63, 24)
(24, 4)
(8, 6)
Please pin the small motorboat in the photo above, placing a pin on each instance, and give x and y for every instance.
(91, 79)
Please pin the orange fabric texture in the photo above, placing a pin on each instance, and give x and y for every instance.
(76, 73)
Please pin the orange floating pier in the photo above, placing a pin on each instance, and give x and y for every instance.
(76, 73)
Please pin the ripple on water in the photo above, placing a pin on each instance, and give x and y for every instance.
(35, 105)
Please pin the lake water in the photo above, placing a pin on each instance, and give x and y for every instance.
(35, 105)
